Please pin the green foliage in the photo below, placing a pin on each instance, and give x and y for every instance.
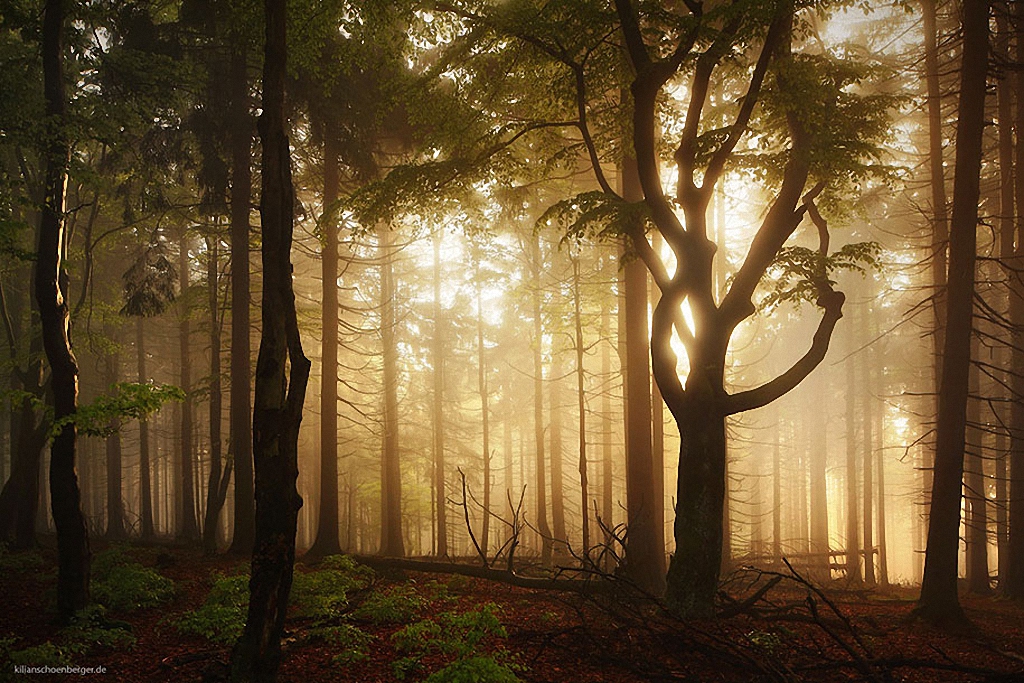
(796, 273)
(323, 594)
(764, 640)
(349, 641)
(457, 636)
(221, 618)
(120, 583)
(841, 110)
(90, 630)
(395, 605)
(127, 401)
(19, 562)
(481, 669)
(591, 215)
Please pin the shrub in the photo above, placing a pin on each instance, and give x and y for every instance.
(395, 605)
(221, 618)
(323, 594)
(122, 584)
(457, 635)
(350, 641)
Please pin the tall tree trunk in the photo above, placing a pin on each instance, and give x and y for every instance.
(51, 298)
(974, 487)
(145, 468)
(818, 462)
(485, 411)
(880, 522)
(1013, 586)
(189, 529)
(607, 506)
(240, 410)
(557, 460)
(282, 372)
(869, 461)
(658, 435)
(219, 474)
(581, 403)
(440, 496)
(391, 542)
(777, 492)
(538, 404)
(1006, 233)
(115, 505)
(327, 541)
(645, 554)
(853, 574)
(939, 601)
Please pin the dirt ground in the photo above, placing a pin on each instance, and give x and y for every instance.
(793, 633)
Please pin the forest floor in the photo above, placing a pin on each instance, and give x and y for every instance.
(350, 623)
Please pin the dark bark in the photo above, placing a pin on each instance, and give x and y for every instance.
(645, 548)
(976, 513)
(607, 514)
(701, 406)
(240, 410)
(220, 474)
(327, 541)
(939, 601)
(282, 372)
(51, 298)
(1013, 587)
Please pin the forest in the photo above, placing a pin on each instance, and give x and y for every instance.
(509, 341)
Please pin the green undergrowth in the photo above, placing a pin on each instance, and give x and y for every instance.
(90, 631)
(122, 584)
(19, 561)
(460, 639)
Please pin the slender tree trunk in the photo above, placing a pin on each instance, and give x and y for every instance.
(581, 403)
(391, 541)
(240, 410)
(818, 462)
(51, 298)
(869, 461)
(485, 413)
(538, 404)
(188, 530)
(880, 523)
(607, 507)
(217, 488)
(440, 495)
(645, 555)
(557, 478)
(853, 574)
(282, 372)
(1006, 233)
(658, 433)
(939, 601)
(327, 542)
(115, 505)
(974, 487)
(777, 493)
(1013, 586)
(145, 470)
